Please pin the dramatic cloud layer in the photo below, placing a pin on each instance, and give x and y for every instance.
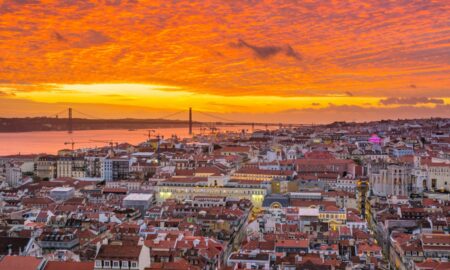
(264, 52)
(391, 53)
(412, 101)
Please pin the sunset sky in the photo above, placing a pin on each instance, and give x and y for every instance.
(282, 61)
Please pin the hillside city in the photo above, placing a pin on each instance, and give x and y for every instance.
(341, 196)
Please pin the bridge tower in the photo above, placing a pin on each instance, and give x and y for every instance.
(69, 123)
(190, 120)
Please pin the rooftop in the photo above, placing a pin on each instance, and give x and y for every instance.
(138, 197)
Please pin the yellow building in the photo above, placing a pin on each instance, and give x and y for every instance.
(190, 187)
(333, 215)
(256, 174)
(282, 187)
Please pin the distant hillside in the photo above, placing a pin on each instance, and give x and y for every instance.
(61, 124)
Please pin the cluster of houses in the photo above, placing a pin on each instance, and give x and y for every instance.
(340, 196)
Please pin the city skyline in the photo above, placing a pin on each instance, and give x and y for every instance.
(249, 60)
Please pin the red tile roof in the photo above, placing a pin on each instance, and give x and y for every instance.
(54, 265)
(19, 262)
(119, 252)
(304, 243)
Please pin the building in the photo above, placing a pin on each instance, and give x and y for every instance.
(62, 193)
(292, 246)
(249, 261)
(255, 174)
(19, 246)
(70, 167)
(114, 169)
(13, 174)
(392, 179)
(209, 201)
(343, 167)
(188, 188)
(140, 201)
(46, 167)
(402, 151)
(333, 215)
(111, 257)
(58, 239)
(436, 245)
(438, 175)
(93, 166)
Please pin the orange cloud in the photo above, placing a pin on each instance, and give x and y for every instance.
(240, 49)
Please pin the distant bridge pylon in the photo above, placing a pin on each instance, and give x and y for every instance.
(69, 123)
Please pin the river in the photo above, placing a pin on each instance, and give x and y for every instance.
(52, 141)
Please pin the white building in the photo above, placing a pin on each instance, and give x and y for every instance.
(139, 201)
(391, 180)
(62, 193)
(13, 174)
(253, 260)
(438, 175)
(14, 171)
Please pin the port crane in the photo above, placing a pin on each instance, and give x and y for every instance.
(111, 143)
(149, 134)
(72, 143)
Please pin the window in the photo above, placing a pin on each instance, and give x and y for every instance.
(134, 265)
(98, 263)
(106, 263)
(116, 264)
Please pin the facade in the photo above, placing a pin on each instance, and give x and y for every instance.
(188, 188)
(114, 169)
(256, 196)
(93, 166)
(70, 167)
(391, 180)
(249, 261)
(58, 239)
(255, 174)
(46, 167)
(111, 257)
(293, 246)
(438, 175)
(13, 174)
(341, 166)
(436, 245)
(402, 151)
(333, 216)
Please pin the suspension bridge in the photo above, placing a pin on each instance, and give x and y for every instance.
(218, 120)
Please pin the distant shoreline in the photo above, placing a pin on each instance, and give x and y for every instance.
(43, 124)
(34, 125)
